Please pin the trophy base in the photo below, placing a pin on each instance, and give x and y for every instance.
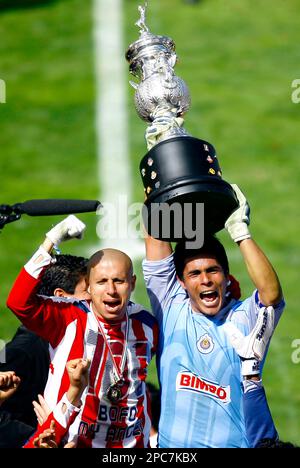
(183, 215)
(179, 174)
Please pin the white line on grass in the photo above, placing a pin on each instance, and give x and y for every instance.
(111, 115)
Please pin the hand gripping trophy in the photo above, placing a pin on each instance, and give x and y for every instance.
(178, 170)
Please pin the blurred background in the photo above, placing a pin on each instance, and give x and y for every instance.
(239, 59)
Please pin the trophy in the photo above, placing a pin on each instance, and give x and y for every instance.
(179, 170)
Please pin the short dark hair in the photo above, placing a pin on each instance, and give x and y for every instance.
(65, 274)
(212, 246)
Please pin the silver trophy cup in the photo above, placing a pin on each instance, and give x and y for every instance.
(178, 170)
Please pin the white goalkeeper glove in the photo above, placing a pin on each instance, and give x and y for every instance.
(67, 229)
(238, 222)
(252, 348)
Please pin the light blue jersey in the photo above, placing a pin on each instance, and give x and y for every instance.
(199, 371)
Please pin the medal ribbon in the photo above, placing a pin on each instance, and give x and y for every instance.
(123, 359)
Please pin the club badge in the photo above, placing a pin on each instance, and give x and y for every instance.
(205, 344)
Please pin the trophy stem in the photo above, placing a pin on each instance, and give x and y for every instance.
(165, 125)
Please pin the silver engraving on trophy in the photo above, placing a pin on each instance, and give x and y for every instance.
(161, 97)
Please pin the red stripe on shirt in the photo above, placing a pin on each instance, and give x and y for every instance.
(138, 330)
(89, 419)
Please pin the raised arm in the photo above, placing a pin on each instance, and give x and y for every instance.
(261, 272)
(156, 249)
(39, 314)
(160, 277)
(259, 267)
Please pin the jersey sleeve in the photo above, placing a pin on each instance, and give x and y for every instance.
(39, 314)
(244, 313)
(162, 284)
(258, 420)
(63, 415)
(277, 307)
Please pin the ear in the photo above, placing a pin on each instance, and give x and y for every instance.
(133, 281)
(89, 289)
(181, 282)
(58, 292)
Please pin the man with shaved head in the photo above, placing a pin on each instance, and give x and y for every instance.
(116, 335)
(111, 281)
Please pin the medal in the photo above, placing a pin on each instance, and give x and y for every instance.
(114, 393)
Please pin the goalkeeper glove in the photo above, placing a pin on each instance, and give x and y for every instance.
(67, 229)
(238, 222)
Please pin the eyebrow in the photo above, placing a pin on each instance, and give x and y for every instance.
(116, 278)
(198, 271)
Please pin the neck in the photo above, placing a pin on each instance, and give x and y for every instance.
(110, 321)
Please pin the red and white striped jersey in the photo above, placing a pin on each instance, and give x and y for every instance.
(73, 332)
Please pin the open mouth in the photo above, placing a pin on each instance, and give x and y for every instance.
(209, 297)
(112, 305)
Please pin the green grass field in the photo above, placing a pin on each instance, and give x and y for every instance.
(239, 59)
